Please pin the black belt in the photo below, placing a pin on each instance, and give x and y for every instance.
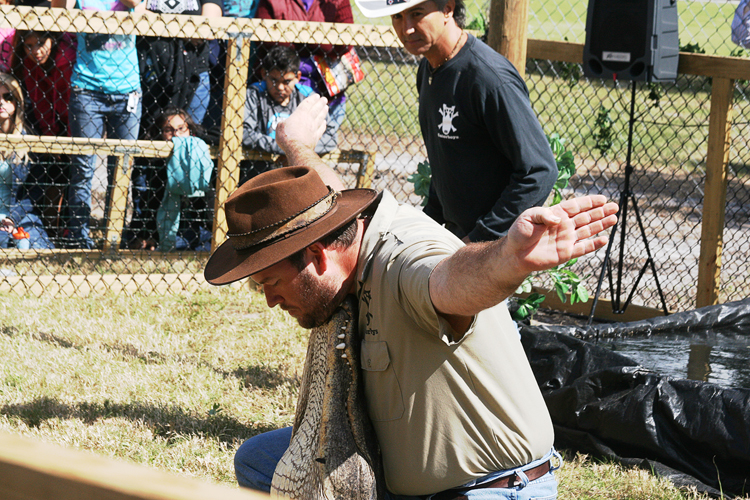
(508, 481)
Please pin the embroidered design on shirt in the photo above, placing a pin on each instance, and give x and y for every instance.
(446, 126)
(174, 6)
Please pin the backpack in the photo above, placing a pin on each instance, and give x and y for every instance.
(741, 24)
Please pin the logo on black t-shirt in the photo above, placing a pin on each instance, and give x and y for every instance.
(446, 126)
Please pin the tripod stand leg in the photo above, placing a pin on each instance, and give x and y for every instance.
(625, 196)
(650, 260)
(601, 275)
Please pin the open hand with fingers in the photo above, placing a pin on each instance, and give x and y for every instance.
(305, 126)
(544, 237)
(298, 135)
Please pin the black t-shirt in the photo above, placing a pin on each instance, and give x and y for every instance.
(489, 156)
(188, 8)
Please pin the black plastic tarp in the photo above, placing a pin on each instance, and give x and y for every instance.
(606, 405)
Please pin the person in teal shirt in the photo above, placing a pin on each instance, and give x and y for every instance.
(105, 96)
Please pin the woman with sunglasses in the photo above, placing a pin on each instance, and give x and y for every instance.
(20, 226)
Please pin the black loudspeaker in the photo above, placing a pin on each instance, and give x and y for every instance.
(631, 40)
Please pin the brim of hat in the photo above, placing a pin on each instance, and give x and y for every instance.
(227, 265)
(380, 8)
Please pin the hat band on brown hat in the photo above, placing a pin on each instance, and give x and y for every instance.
(297, 221)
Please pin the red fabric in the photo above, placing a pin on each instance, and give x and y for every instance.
(329, 11)
(49, 89)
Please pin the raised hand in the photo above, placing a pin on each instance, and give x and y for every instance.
(544, 237)
(305, 126)
(298, 135)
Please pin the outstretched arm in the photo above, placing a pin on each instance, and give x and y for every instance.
(298, 135)
(481, 275)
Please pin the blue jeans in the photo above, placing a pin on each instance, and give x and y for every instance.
(201, 98)
(91, 113)
(256, 459)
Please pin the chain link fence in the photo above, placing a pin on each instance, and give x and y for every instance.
(378, 144)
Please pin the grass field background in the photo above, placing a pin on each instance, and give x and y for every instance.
(178, 382)
(706, 23)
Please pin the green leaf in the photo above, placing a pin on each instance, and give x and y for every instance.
(421, 180)
(561, 289)
(581, 294)
(528, 306)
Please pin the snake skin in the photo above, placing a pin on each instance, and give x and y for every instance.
(333, 453)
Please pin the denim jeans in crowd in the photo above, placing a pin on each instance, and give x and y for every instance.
(91, 113)
(201, 99)
(256, 459)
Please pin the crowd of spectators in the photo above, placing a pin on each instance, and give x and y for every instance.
(93, 85)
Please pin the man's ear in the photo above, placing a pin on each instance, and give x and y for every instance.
(299, 75)
(450, 7)
(262, 73)
(318, 255)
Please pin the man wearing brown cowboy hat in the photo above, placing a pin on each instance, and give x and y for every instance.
(455, 405)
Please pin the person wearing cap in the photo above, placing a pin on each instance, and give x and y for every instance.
(449, 390)
(489, 156)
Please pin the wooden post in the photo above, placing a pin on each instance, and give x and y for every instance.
(508, 22)
(230, 142)
(366, 170)
(715, 193)
(118, 204)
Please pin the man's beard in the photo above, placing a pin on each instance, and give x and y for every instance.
(321, 300)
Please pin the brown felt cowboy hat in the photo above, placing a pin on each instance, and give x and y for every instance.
(276, 214)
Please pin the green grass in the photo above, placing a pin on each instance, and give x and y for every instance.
(385, 102)
(174, 382)
(178, 382)
(704, 23)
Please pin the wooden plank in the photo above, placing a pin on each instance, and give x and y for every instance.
(175, 25)
(228, 173)
(737, 68)
(366, 170)
(84, 146)
(183, 26)
(603, 311)
(32, 470)
(509, 20)
(118, 203)
(8, 255)
(715, 193)
(734, 68)
(555, 51)
(147, 149)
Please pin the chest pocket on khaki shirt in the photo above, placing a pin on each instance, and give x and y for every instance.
(384, 400)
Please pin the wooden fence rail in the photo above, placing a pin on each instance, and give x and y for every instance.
(31, 470)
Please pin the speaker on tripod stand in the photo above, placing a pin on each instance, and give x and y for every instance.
(634, 40)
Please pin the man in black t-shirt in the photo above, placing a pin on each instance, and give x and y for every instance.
(490, 158)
